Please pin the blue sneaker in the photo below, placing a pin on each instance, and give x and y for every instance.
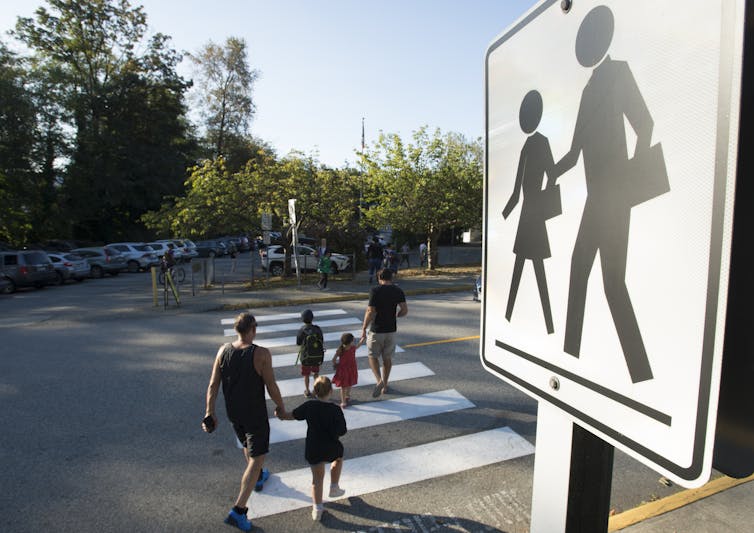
(238, 520)
(264, 477)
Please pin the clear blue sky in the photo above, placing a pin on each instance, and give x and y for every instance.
(325, 64)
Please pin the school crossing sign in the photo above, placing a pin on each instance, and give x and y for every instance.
(611, 143)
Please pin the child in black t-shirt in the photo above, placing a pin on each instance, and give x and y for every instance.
(325, 424)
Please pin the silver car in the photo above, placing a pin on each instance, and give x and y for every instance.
(102, 260)
(26, 268)
(139, 255)
(69, 266)
(307, 259)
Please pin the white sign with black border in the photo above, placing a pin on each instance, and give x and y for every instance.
(611, 141)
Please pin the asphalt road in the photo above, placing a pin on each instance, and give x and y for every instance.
(101, 416)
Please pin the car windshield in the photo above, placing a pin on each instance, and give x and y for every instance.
(143, 248)
(72, 257)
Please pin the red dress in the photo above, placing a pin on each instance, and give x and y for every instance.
(347, 375)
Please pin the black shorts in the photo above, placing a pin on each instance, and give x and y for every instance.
(255, 438)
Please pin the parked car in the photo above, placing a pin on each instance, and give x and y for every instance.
(307, 258)
(189, 248)
(209, 248)
(183, 250)
(102, 260)
(26, 268)
(139, 255)
(69, 266)
(161, 248)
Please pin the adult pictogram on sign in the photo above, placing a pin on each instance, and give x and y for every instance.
(614, 185)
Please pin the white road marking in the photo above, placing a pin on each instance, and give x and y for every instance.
(294, 326)
(289, 359)
(380, 412)
(261, 319)
(291, 490)
(276, 342)
(294, 387)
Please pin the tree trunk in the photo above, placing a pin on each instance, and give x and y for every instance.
(433, 235)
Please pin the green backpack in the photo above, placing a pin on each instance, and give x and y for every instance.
(312, 352)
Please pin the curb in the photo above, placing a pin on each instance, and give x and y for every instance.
(673, 502)
(328, 298)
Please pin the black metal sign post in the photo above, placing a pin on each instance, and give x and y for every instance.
(734, 435)
(590, 482)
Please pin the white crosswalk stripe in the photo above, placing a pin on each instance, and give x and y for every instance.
(289, 359)
(263, 319)
(287, 491)
(362, 475)
(293, 387)
(276, 342)
(295, 326)
(377, 413)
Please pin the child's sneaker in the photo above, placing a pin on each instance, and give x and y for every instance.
(240, 521)
(316, 514)
(264, 476)
(336, 492)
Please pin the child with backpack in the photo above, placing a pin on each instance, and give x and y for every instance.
(325, 424)
(346, 373)
(312, 350)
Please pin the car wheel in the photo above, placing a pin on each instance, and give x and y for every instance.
(10, 287)
(211, 254)
(276, 269)
(334, 268)
(133, 266)
(58, 278)
(97, 271)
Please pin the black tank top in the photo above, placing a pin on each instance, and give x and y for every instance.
(243, 387)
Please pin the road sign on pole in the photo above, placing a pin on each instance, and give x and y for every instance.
(611, 145)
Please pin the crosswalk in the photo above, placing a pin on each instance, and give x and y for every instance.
(286, 491)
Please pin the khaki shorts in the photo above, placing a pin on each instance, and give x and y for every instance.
(381, 345)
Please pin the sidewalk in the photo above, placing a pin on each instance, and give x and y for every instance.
(233, 291)
(723, 505)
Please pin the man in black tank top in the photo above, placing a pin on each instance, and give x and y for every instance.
(245, 370)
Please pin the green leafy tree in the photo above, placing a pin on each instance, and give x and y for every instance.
(217, 201)
(17, 124)
(223, 87)
(429, 185)
(125, 105)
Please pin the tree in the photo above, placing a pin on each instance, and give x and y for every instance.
(17, 125)
(430, 185)
(223, 89)
(130, 142)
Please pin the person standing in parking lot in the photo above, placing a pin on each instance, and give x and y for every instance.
(374, 258)
(324, 268)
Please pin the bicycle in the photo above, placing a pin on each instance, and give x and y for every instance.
(176, 272)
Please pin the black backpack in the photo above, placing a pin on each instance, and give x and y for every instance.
(312, 351)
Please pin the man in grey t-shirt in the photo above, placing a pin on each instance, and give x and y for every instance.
(384, 300)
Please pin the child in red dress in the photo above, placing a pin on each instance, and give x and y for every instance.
(346, 373)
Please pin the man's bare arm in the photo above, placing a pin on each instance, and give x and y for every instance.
(402, 309)
(263, 365)
(213, 388)
(368, 317)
